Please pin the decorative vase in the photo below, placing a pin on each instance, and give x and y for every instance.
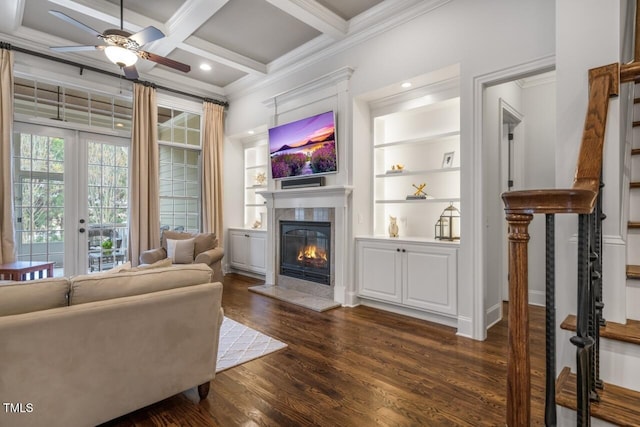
(393, 227)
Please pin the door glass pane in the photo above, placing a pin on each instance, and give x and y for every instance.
(39, 198)
(108, 191)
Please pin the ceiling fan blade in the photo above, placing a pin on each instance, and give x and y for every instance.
(164, 61)
(74, 22)
(74, 48)
(147, 35)
(130, 72)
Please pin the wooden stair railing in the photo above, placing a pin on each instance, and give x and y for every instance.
(520, 206)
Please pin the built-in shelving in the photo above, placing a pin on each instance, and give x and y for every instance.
(255, 165)
(424, 142)
(420, 140)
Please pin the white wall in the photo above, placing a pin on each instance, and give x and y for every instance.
(481, 37)
(539, 109)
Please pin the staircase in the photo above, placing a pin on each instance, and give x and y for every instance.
(619, 398)
(605, 388)
(633, 235)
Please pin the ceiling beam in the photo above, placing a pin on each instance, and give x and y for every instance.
(109, 13)
(11, 13)
(315, 15)
(219, 54)
(187, 19)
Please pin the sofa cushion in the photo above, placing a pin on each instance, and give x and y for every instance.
(89, 288)
(180, 251)
(36, 295)
(202, 241)
(158, 264)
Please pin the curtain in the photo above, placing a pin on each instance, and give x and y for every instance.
(212, 140)
(7, 242)
(144, 213)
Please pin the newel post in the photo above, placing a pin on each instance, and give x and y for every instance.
(518, 362)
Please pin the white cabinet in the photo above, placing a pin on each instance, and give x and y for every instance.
(412, 273)
(248, 250)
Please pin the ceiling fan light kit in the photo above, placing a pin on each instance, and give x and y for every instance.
(120, 56)
(123, 48)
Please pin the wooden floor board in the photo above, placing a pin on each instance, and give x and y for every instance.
(353, 367)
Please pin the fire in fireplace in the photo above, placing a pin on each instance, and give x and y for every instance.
(305, 248)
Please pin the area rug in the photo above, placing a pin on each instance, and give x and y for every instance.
(240, 344)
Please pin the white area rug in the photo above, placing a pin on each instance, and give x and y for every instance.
(240, 344)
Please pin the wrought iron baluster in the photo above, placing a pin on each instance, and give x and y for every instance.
(582, 340)
(550, 418)
(597, 288)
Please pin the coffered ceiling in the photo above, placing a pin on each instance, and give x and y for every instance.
(243, 41)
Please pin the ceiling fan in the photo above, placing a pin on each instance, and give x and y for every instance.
(122, 48)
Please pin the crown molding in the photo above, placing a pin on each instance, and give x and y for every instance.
(328, 80)
(314, 15)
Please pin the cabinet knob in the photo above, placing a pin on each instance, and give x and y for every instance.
(398, 249)
(246, 235)
(404, 250)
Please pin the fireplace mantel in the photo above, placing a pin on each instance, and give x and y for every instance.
(334, 196)
(330, 196)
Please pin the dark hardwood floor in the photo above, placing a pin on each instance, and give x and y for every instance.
(353, 367)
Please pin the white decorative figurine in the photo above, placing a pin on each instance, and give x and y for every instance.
(393, 227)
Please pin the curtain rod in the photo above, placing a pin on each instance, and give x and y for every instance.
(83, 67)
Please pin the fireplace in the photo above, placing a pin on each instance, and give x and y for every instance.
(305, 250)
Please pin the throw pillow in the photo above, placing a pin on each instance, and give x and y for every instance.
(205, 241)
(158, 264)
(180, 251)
(119, 268)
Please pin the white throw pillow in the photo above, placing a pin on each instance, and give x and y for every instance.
(180, 251)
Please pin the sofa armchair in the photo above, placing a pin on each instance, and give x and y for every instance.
(205, 251)
(84, 350)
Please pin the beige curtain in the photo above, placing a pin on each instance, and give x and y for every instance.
(144, 228)
(7, 242)
(212, 140)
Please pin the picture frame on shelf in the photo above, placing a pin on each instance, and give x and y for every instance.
(447, 159)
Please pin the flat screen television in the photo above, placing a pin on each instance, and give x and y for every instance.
(305, 147)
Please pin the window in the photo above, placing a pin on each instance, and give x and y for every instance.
(39, 197)
(39, 99)
(179, 147)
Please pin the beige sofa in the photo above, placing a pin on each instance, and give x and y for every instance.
(82, 351)
(205, 251)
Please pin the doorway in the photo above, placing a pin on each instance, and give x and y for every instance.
(512, 145)
(70, 198)
(519, 153)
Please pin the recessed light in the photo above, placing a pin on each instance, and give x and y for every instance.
(205, 67)
(406, 85)
(251, 132)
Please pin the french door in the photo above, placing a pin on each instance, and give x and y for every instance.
(70, 198)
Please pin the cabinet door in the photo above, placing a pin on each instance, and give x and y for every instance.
(429, 280)
(257, 253)
(238, 255)
(379, 274)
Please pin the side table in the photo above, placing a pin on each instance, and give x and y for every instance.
(21, 270)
